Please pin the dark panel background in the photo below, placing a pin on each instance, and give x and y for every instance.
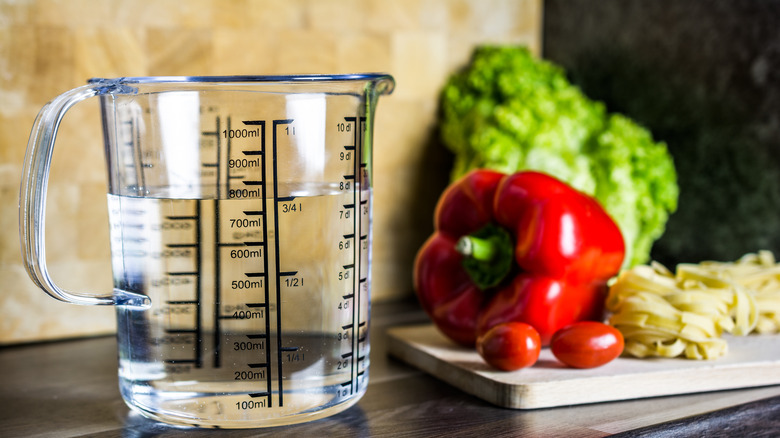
(703, 76)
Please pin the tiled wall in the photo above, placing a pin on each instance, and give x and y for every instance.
(50, 46)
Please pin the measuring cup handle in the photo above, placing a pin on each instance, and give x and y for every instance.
(32, 205)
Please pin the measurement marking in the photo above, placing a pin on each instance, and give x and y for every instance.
(364, 237)
(252, 183)
(253, 122)
(254, 274)
(349, 236)
(348, 326)
(288, 274)
(362, 338)
(254, 243)
(177, 361)
(350, 266)
(285, 198)
(217, 286)
(362, 324)
(253, 305)
(363, 201)
(254, 212)
(277, 199)
(259, 394)
(346, 355)
(363, 280)
(361, 358)
(176, 302)
(346, 383)
(257, 365)
(180, 331)
(252, 152)
(349, 148)
(210, 164)
(179, 274)
(347, 297)
(233, 244)
(349, 205)
(349, 176)
(181, 218)
(256, 336)
(198, 288)
(181, 245)
(289, 349)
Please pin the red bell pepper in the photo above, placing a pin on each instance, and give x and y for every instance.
(524, 247)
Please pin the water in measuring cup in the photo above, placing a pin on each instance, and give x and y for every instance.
(259, 306)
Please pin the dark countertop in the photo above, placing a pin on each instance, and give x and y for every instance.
(69, 388)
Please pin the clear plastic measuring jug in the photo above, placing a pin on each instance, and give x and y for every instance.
(240, 224)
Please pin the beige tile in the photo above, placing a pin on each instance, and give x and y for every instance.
(179, 52)
(260, 14)
(245, 52)
(419, 63)
(364, 53)
(336, 16)
(92, 224)
(78, 148)
(9, 224)
(71, 13)
(392, 16)
(492, 18)
(16, 12)
(306, 52)
(55, 320)
(14, 133)
(18, 48)
(172, 14)
(54, 63)
(109, 52)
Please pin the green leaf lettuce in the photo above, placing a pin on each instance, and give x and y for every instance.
(510, 111)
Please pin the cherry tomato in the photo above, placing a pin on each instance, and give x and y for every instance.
(510, 346)
(587, 344)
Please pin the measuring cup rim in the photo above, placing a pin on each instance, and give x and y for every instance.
(384, 78)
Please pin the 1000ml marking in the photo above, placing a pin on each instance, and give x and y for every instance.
(241, 133)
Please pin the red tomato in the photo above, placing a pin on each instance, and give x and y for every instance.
(587, 344)
(510, 346)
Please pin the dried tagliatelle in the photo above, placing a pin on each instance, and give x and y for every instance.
(667, 314)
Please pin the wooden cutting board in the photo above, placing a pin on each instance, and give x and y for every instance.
(751, 361)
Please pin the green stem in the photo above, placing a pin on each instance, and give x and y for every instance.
(488, 255)
(479, 249)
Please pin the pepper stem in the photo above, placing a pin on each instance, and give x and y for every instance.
(479, 249)
(487, 255)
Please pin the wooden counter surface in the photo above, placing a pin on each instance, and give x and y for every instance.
(69, 389)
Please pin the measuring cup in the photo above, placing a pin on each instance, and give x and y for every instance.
(240, 225)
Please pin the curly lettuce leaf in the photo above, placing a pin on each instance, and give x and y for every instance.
(509, 111)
